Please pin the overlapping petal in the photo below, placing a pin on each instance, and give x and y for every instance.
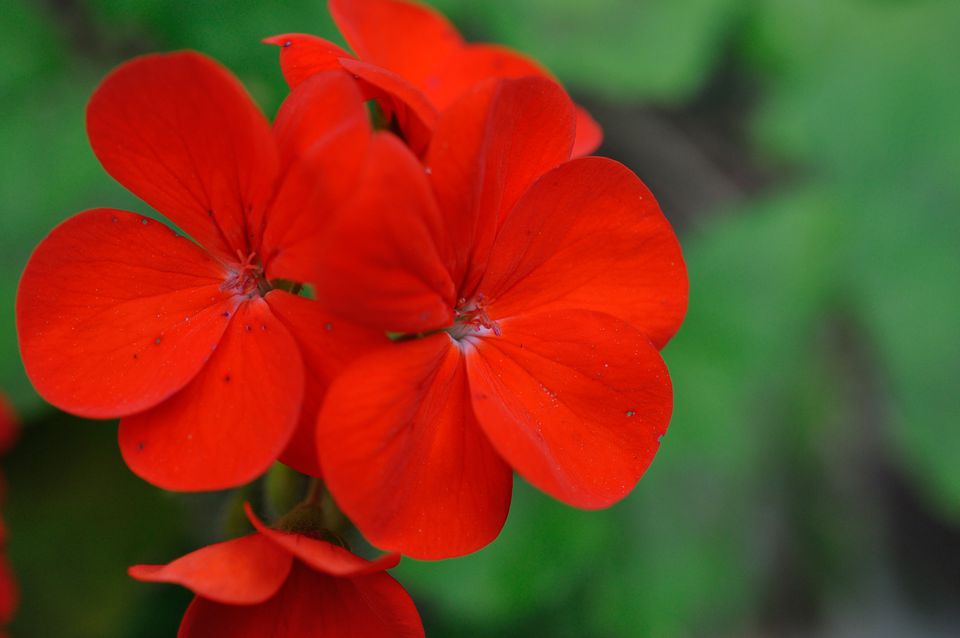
(421, 45)
(488, 149)
(115, 313)
(589, 235)
(324, 132)
(320, 555)
(233, 420)
(383, 257)
(328, 344)
(575, 401)
(242, 571)
(180, 132)
(312, 604)
(407, 38)
(404, 456)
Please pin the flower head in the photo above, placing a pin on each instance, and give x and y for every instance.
(415, 62)
(534, 293)
(204, 360)
(287, 585)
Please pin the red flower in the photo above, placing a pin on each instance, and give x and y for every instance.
(118, 316)
(535, 293)
(415, 62)
(284, 585)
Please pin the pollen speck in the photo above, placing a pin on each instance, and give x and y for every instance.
(631, 413)
(225, 313)
(263, 327)
(226, 378)
(157, 341)
(287, 44)
(141, 445)
(115, 220)
(328, 327)
(248, 328)
(144, 221)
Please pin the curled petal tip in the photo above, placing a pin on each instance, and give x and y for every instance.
(283, 41)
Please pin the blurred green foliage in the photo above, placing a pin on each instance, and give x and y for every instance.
(820, 345)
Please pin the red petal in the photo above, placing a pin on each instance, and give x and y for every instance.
(323, 556)
(478, 62)
(233, 420)
(487, 150)
(326, 105)
(413, 113)
(181, 133)
(328, 344)
(407, 38)
(312, 604)
(324, 129)
(589, 235)
(381, 263)
(575, 401)
(589, 134)
(404, 457)
(242, 571)
(302, 56)
(305, 55)
(115, 313)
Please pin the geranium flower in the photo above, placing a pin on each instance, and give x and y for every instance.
(287, 585)
(534, 294)
(191, 345)
(415, 61)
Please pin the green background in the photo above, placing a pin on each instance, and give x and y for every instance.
(808, 153)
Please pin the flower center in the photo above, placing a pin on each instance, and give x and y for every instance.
(246, 278)
(471, 319)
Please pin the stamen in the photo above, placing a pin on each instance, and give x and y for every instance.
(472, 318)
(247, 278)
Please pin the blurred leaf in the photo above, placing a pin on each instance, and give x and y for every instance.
(879, 127)
(619, 49)
(74, 531)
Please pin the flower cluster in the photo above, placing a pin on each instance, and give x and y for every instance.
(410, 307)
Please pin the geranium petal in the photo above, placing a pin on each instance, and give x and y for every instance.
(328, 345)
(312, 604)
(233, 420)
(403, 454)
(414, 115)
(589, 134)
(478, 62)
(242, 571)
(320, 555)
(303, 55)
(487, 150)
(181, 133)
(115, 313)
(381, 254)
(589, 235)
(324, 131)
(407, 38)
(575, 401)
